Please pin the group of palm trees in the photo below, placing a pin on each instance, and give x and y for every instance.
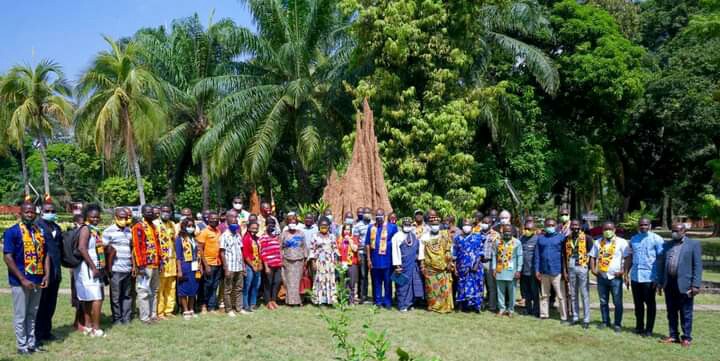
(224, 95)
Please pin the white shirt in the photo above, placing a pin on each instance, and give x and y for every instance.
(618, 258)
(398, 239)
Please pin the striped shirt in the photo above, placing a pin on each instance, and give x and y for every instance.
(270, 251)
(232, 245)
(120, 240)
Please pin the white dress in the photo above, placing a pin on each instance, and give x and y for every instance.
(87, 287)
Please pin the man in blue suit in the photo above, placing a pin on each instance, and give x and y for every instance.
(680, 274)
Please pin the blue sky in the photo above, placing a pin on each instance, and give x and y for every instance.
(69, 31)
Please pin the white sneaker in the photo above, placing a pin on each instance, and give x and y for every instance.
(97, 333)
(231, 314)
(243, 312)
(87, 331)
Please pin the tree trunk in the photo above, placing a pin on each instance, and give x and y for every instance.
(132, 154)
(205, 182)
(219, 198)
(23, 165)
(170, 192)
(665, 209)
(43, 158)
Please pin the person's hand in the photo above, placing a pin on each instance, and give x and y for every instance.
(659, 291)
(228, 274)
(180, 275)
(45, 281)
(95, 272)
(398, 269)
(517, 275)
(133, 272)
(369, 262)
(693, 291)
(627, 281)
(267, 270)
(208, 270)
(27, 284)
(494, 273)
(538, 276)
(565, 276)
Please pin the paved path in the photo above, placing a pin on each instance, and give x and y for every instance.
(626, 306)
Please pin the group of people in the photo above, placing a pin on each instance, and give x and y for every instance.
(217, 261)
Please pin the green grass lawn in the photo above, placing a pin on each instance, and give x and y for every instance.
(300, 334)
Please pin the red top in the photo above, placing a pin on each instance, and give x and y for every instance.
(270, 250)
(251, 249)
(345, 245)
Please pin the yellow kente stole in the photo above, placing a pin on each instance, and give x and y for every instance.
(33, 250)
(581, 245)
(99, 246)
(383, 239)
(605, 254)
(257, 261)
(151, 251)
(504, 254)
(167, 238)
(188, 248)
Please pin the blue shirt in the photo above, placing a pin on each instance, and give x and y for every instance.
(548, 254)
(13, 244)
(645, 248)
(378, 260)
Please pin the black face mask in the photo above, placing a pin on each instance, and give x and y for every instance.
(213, 223)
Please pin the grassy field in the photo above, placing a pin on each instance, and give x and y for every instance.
(300, 334)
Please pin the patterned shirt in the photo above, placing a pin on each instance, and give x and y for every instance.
(120, 240)
(270, 250)
(359, 230)
(232, 245)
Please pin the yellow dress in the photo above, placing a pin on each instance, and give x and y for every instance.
(438, 271)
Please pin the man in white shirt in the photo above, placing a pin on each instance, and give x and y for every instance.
(607, 262)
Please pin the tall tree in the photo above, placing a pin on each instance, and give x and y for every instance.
(122, 107)
(284, 90)
(39, 97)
(439, 74)
(195, 63)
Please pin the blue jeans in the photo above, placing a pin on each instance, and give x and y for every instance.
(678, 303)
(251, 287)
(605, 288)
(212, 281)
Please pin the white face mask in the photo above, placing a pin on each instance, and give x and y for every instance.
(190, 230)
(435, 228)
(407, 229)
(292, 226)
(467, 229)
(484, 226)
(349, 221)
(504, 220)
(237, 206)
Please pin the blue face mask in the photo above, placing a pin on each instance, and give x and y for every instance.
(49, 217)
(234, 228)
(550, 230)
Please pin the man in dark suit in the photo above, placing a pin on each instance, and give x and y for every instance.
(680, 274)
(48, 300)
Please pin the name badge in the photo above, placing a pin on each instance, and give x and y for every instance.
(194, 266)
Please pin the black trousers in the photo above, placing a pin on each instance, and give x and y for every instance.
(644, 296)
(363, 283)
(530, 290)
(46, 311)
(678, 304)
(272, 284)
(120, 297)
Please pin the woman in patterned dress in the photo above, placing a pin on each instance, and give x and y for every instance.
(324, 254)
(437, 268)
(294, 252)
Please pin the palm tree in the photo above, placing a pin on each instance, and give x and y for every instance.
(39, 98)
(281, 89)
(122, 106)
(185, 59)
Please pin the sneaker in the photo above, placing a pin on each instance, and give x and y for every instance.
(403, 310)
(243, 312)
(187, 316)
(231, 314)
(685, 343)
(97, 333)
(668, 340)
(617, 329)
(87, 331)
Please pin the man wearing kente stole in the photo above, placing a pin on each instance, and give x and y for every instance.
(577, 248)
(378, 242)
(168, 268)
(607, 259)
(146, 259)
(437, 267)
(24, 252)
(506, 264)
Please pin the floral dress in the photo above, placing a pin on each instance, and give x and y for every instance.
(468, 252)
(324, 253)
